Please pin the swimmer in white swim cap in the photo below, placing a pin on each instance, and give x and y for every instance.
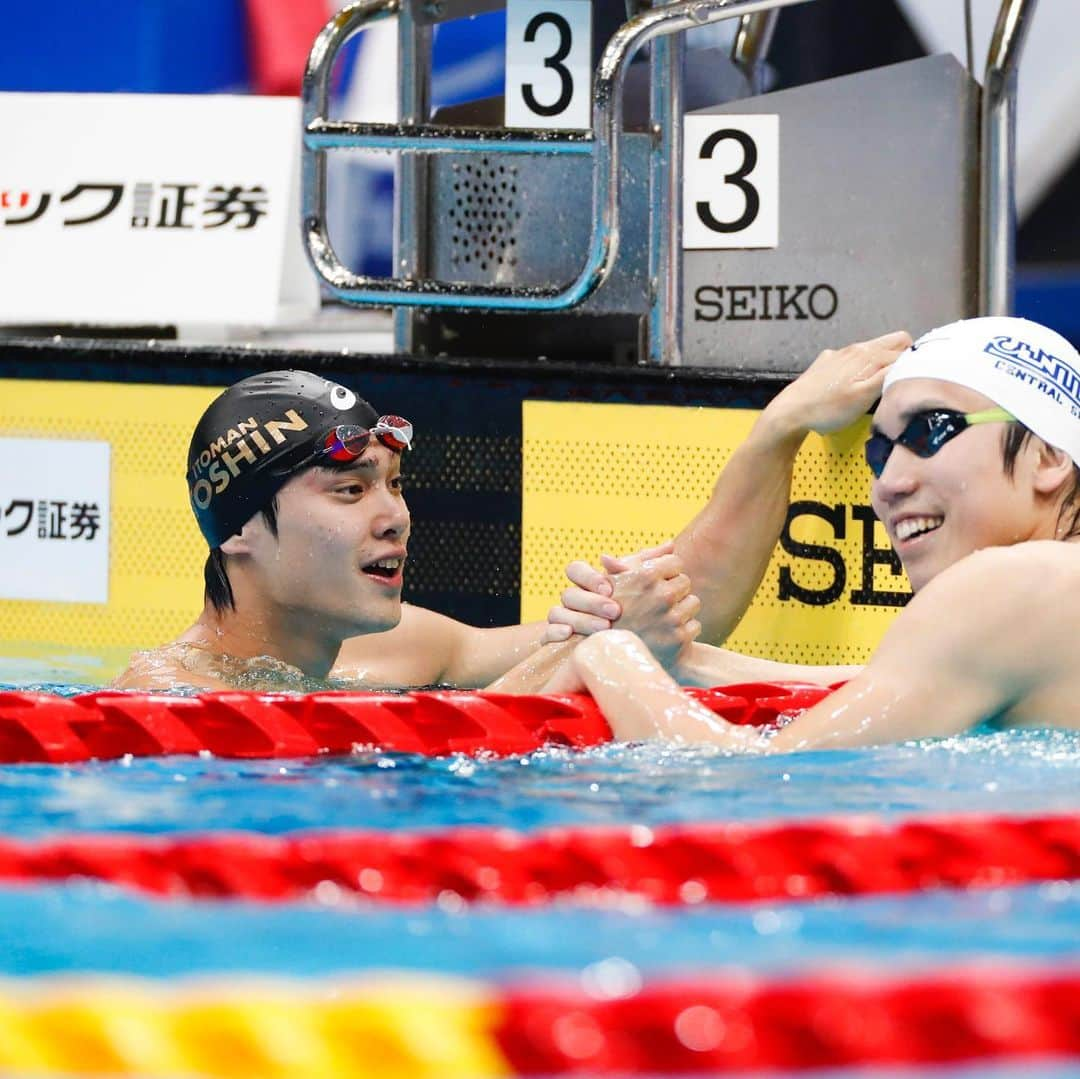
(973, 454)
(987, 415)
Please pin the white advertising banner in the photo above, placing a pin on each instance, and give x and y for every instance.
(54, 520)
(131, 209)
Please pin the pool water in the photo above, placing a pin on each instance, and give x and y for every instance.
(87, 926)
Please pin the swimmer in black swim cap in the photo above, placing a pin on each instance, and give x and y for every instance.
(258, 434)
(295, 484)
(261, 430)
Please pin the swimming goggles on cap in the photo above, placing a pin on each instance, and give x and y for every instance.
(348, 441)
(926, 432)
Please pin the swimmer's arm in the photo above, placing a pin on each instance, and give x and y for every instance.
(726, 548)
(950, 660)
(704, 665)
(541, 672)
(941, 668)
(480, 656)
(640, 700)
(427, 648)
(698, 665)
(887, 702)
(723, 552)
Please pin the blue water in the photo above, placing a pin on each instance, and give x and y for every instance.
(90, 927)
(1003, 772)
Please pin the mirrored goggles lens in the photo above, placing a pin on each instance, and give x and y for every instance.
(348, 441)
(924, 435)
(394, 432)
(926, 432)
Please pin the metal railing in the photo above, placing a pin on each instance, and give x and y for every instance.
(997, 209)
(997, 159)
(321, 134)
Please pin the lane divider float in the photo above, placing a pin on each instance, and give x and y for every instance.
(672, 865)
(43, 727)
(605, 1023)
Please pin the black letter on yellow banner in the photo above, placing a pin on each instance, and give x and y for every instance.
(833, 515)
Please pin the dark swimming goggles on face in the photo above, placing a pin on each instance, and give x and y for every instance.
(926, 432)
(348, 441)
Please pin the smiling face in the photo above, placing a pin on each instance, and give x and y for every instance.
(335, 566)
(937, 510)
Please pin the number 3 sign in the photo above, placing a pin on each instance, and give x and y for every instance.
(548, 63)
(731, 169)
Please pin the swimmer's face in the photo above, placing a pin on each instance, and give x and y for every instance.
(336, 564)
(937, 510)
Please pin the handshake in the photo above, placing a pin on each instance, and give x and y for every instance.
(647, 593)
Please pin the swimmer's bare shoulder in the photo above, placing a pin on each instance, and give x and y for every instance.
(413, 653)
(995, 635)
(1006, 615)
(1018, 611)
(178, 665)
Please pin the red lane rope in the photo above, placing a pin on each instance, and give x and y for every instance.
(716, 1026)
(41, 727)
(672, 865)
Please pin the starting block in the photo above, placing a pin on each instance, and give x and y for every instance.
(664, 210)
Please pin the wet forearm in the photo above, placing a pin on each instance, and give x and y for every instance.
(703, 665)
(726, 548)
(483, 655)
(538, 670)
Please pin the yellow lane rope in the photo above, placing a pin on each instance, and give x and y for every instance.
(389, 1029)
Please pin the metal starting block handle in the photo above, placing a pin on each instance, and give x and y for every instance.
(601, 143)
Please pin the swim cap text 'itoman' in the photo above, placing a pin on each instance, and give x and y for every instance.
(253, 435)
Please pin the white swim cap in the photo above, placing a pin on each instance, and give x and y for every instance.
(1023, 367)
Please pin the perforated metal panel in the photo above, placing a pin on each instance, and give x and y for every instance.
(503, 218)
(485, 214)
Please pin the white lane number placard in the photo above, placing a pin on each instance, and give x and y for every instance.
(548, 63)
(731, 181)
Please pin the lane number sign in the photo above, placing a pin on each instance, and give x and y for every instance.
(549, 63)
(731, 181)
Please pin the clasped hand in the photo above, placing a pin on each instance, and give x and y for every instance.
(646, 592)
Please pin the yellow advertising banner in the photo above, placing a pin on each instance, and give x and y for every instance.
(615, 478)
(156, 553)
(596, 477)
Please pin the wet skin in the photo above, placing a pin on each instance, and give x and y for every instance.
(993, 629)
(961, 496)
(334, 568)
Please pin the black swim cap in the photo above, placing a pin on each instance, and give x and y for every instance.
(253, 435)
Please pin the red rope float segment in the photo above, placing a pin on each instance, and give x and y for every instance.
(428, 1028)
(818, 1022)
(683, 864)
(41, 727)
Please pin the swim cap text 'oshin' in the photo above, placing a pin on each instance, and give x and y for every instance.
(252, 436)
